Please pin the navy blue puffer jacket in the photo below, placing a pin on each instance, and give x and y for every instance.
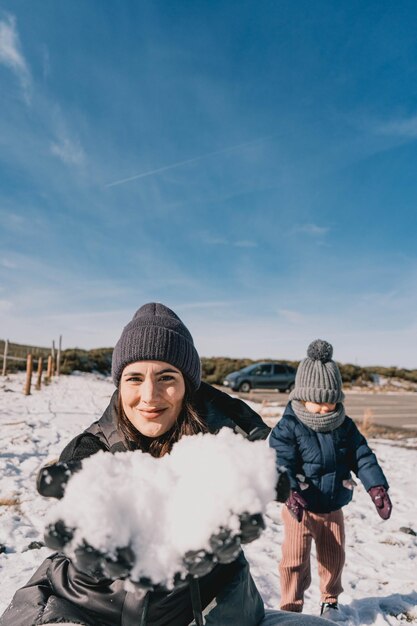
(325, 459)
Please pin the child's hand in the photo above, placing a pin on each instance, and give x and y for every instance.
(296, 505)
(381, 500)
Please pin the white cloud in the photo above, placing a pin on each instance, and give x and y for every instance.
(294, 317)
(5, 305)
(68, 150)
(11, 53)
(12, 221)
(222, 241)
(205, 305)
(8, 264)
(312, 229)
(244, 243)
(402, 127)
(215, 241)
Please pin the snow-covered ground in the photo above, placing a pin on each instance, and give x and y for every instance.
(381, 569)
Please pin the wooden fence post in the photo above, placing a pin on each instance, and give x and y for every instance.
(39, 381)
(29, 367)
(58, 358)
(53, 359)
(6, 348)
(49, 368)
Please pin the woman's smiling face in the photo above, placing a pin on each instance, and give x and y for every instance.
(152, 394)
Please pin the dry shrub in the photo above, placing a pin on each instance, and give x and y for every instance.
(391, 542)
(366, 425)
(9, 501)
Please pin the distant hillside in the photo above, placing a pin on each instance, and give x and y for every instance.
(20, 350)
(214, 368)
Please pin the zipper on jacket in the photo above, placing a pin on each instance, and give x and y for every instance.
(196, 600)
(144, 616)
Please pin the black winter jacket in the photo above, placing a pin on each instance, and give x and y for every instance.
(57, 592)
(325, 460)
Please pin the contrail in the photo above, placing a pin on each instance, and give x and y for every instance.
(186, 162)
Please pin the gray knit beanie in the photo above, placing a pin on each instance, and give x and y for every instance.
(157, 334)
(318, 378)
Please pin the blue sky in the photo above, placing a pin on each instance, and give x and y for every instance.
(252, 165)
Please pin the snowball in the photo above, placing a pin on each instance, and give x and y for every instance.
(164, 507)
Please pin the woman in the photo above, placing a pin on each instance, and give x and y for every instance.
(159, 398)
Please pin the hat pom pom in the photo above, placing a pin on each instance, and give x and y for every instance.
(320, 350)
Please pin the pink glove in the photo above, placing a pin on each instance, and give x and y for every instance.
(381, 500)
(296, 505)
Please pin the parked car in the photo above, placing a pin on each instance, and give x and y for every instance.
(262, 376)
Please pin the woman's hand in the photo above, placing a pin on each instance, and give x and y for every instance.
(52, 479)
(88, 559)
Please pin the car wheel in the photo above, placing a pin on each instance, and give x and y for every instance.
(291, 387)
(245, 387)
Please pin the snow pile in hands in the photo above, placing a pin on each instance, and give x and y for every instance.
(164, 507)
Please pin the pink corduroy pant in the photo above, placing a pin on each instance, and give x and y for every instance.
(328, 532)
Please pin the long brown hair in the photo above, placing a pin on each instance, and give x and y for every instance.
(188, 423)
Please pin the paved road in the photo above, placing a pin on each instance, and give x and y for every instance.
(398, 410)
(386, 409)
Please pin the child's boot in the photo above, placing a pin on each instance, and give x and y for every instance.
(329, 610)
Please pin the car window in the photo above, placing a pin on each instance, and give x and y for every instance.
(262, 370)
(279, 369)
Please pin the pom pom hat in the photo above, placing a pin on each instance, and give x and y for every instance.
(157, 334)
(318, 378)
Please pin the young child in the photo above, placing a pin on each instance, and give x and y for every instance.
(320, 446)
